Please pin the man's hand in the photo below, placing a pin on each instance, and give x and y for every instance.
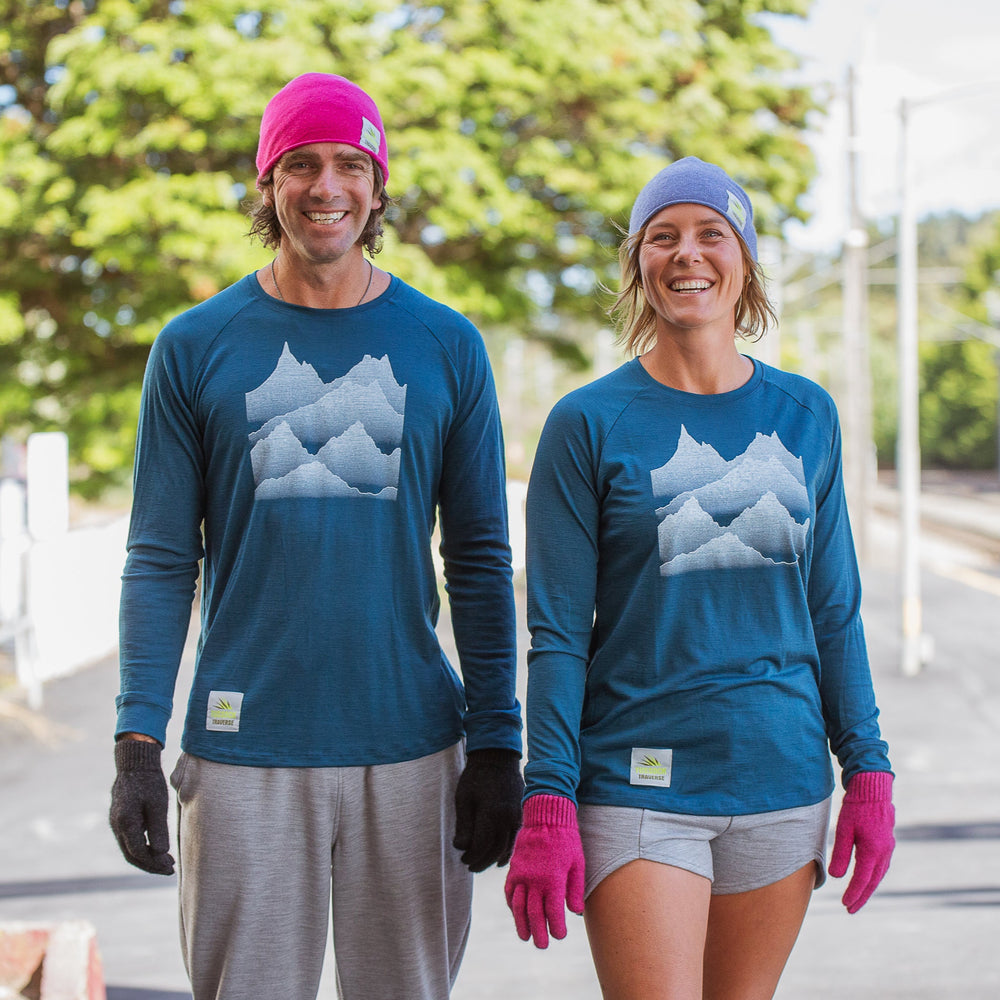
(139, 805)
(488, 808)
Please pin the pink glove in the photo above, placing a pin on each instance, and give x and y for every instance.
(864, 824)
(546, 871)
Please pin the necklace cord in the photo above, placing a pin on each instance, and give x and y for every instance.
(274, 278)
(371, 275)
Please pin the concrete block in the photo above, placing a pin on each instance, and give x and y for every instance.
(50, 962)
(22, 949)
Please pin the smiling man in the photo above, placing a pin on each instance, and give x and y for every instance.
(301, 432)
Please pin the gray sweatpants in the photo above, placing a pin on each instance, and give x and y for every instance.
(264, 851)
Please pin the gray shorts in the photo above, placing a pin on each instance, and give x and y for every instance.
(736, 853)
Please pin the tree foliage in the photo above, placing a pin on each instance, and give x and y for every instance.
(958, 354)
(519, 133)
(958, 405)
(981, 286)
(977, 438)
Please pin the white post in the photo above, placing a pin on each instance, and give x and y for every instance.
(992, 298)
(857, 416)
(915, 644)
(47, 517)
(13, 542)
(908, 440)
(48, 484)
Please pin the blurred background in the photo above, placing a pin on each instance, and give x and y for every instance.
(519, 134)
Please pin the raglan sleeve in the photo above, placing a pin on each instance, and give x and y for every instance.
(164, 542)
(834, 594)
(563, 520)
(475, 548)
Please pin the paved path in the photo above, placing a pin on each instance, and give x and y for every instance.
(931, 933)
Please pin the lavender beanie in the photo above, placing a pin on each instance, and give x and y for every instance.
(320, 107)
(693, 181)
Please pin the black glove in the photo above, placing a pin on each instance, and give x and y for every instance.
(139, 806)
(488, 808)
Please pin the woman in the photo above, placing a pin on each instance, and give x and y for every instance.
(697, 647)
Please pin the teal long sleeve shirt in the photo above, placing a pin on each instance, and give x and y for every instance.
(694, 600)
(302, 456)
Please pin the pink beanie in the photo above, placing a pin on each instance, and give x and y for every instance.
(320, 107)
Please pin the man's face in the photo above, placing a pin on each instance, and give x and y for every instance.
(323, 194)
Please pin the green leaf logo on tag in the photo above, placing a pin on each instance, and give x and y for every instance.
(224, 710)
(651, 766)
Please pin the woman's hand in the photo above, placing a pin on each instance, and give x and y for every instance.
(547, 869)
(865, 825)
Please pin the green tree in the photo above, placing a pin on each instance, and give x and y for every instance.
(958, 367)
(519, 134)
(979, 299)
(981, 284)
(958, 405)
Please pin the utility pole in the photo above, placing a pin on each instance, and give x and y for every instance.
(908, 439)
(992, 299)
(859, 459)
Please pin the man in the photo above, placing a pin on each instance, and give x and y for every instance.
(299, 432)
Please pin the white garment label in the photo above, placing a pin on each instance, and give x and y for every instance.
(736, 211)
(651, 766)
(224, 709)
(370, 138)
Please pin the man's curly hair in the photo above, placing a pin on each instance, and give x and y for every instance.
(265, 227)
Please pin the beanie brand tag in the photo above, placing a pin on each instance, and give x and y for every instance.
(370, 136)
(736, 211)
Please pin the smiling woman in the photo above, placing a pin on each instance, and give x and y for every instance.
(693, 601)
(691, 264)
(680, 240)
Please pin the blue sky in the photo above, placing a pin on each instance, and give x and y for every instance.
(946, 52)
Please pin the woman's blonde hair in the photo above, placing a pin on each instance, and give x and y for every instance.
(636, 319)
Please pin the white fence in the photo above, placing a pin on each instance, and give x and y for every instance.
(59, 588)
(517, 493)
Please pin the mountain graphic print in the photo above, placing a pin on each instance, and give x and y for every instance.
(326, 439)
(751, 511)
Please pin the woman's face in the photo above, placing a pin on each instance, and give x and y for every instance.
(692, 270)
